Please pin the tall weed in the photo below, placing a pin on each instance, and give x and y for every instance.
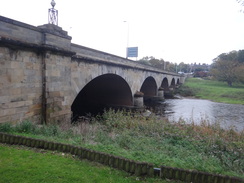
(25, 127)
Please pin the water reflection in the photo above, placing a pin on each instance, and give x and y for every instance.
(196, 110)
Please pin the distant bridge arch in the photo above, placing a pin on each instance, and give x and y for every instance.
(149, 87)
(165, 84)
(172, 84)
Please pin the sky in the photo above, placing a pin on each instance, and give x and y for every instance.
(189, 31)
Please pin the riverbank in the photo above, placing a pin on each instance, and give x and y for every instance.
(213, 90)
(204, 148)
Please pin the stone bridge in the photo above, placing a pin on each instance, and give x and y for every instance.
(45, 77)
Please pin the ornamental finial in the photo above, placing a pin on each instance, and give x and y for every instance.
(53, 3)
(53, 14)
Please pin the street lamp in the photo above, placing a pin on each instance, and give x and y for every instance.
(128, 37)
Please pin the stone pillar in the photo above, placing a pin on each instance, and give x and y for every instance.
(169, 93)
(56, 74)
(138, 99)
(160, 94)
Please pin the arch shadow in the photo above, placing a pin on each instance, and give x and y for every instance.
(149, 87)
(178, 82)
(105, 91)
(172, 85)
(165, 84)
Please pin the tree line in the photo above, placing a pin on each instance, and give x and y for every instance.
(227, 67)
(173, 67)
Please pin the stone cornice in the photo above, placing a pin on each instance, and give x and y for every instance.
(15, 44)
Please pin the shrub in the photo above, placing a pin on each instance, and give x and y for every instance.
(5, 127)
(25, 127)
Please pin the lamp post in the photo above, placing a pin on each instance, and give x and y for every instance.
(128, 37)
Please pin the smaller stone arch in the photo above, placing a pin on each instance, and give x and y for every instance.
(178, 82)
(149, 87)
(165, 84)
(172, 84)
(149, 90)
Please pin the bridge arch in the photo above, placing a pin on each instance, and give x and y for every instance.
(172, 85)
(178, 82)
(103, 91)
(149, 87)
(165, 84)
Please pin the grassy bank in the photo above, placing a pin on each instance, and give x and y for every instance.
(205, 148)
(19, 164)
(213, 90)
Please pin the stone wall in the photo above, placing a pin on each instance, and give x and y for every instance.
(58, 87)
(21, 85)
(34, 73)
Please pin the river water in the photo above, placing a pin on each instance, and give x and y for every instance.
(197, 110)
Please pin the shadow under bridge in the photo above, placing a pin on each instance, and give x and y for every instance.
(103, 92)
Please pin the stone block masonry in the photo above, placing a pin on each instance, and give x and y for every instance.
(57, 89)
(34, 72)
(21, 85)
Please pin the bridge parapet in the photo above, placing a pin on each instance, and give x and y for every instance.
(47, 34)
(85, 53)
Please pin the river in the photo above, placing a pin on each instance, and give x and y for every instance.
(197, 110)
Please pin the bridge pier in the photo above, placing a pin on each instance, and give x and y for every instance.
(138, 99)
(160, 94)
(169, 93)
(56, 75)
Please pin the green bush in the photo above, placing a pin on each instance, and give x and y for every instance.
(5, 127)
(25, 127)
(50, 130)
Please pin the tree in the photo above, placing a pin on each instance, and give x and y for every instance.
(159, 63)
(182, 67)
(227, 67)
(240, 73)
(240, 56)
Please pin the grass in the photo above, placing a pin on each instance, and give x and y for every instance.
(205, 148)
(19, 164)
(213, 90)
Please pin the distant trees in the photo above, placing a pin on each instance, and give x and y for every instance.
(173, 67)
(152, 61)
(158, 63)
(229, 67)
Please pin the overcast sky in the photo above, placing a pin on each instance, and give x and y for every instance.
(175, 30)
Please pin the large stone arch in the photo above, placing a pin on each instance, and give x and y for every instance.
(84, 72)
(108, 90)
(149, 87)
